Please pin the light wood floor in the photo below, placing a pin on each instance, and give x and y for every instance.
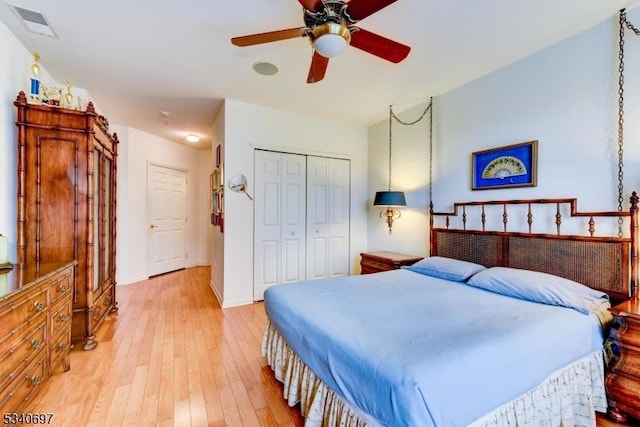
(172, 357)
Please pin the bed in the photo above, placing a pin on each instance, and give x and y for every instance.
(495, 327)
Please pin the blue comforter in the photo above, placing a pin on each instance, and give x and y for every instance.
(414, 350)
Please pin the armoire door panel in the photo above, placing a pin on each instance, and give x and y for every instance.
(57, 200)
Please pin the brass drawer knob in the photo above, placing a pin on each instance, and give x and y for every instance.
(35, 380)
(38, 306)
(36, 344)
(63, 346)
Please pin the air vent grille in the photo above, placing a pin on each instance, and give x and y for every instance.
(35, 22)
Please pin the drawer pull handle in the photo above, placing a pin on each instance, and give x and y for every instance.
(62, 287)
(64, 317)
(38, 306)
(63, 346)
(35, 380)
(36, 344)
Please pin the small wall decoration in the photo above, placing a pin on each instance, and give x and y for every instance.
(217, 197)
(505, 167)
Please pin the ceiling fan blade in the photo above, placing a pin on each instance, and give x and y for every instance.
(379, 46)
(312, 5)
(360, 9)
(318, 68)
(272, 36)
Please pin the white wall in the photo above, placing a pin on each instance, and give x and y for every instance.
(217, 238)
(249, 126)
(15, 69)
(136, 150)
(564, 96)
(410, 173)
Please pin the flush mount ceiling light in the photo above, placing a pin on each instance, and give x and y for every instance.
(164, 117)
(193, 138)
(265, 68)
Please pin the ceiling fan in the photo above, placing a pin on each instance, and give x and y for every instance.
(330, 26)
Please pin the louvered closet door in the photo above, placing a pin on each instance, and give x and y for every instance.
(279, 216)
(328, 195)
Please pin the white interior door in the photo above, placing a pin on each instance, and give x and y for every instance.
(167, 213)
(279, 216)
(328, 196)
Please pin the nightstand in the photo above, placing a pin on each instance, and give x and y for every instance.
(374, 262)
(623, 378)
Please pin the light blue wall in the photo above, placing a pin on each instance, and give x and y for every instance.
(564, 96)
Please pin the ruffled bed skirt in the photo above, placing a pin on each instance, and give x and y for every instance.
(569, 397)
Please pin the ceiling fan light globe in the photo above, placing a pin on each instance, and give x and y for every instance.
(330, 39)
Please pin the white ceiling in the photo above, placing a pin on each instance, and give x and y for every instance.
(139, 57)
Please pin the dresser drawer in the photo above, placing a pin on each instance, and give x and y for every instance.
(59, 350)
(19, 353)
(60, 318)
(374, 262)
(61, 286)
(20, 391)
(26, 309)
(369, 264)
(629, 331)
(101, 307)
(628, 361)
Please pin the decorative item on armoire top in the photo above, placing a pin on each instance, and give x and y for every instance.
(505, 167)
(68, 97)
(34, 92)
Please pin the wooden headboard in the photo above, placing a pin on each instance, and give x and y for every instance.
(606, 263)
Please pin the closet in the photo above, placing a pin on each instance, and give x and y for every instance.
(301, 218)
(66, 204)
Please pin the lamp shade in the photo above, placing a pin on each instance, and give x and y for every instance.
(390, 198)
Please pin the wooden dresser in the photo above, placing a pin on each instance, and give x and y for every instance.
(35, 329)
(374, 262)
(623, 378)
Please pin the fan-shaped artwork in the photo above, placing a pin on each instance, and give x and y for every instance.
(504, 167)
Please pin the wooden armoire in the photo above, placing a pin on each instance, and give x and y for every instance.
(67, 204)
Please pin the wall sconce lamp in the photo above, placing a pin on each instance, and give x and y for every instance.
(390, 198)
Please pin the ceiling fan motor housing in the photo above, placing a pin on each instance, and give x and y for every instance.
(334, 11)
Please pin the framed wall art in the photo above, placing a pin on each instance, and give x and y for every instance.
(505, 167)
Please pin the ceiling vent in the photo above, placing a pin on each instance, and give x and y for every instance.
(35, 22)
